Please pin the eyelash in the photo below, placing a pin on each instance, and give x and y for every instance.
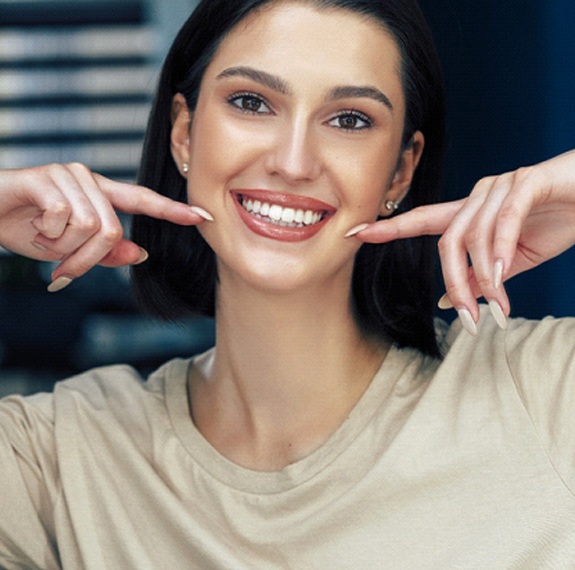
(368, 123)
(346, 113)
(246, 95)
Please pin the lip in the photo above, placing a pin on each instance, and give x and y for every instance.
(277, 232)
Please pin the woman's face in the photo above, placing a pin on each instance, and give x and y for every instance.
(295, 140)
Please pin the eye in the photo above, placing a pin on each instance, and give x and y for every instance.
(249, 103)
(351, 121)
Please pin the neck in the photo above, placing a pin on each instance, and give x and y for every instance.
(287, 370)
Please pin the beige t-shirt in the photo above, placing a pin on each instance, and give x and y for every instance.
(464, 464)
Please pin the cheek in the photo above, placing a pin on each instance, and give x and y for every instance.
(219, 151)
(367, 178)
(207, 159)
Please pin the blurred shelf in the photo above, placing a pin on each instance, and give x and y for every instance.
(33, 84)
(112, 42)
(75, 88)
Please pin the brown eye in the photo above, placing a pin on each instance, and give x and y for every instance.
(249, 103)
(348, 122)
(351, 121)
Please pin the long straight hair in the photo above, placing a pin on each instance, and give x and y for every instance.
(392, 284)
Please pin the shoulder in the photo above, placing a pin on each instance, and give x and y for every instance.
(532, 362)
(525, 343)
(119, 391)
(534, 357)
(102, 396)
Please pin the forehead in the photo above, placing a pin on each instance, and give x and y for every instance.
(314, 42)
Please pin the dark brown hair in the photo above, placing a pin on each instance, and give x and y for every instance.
(393, 283)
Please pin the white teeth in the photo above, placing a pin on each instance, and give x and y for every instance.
(276, 214)
(288, 215)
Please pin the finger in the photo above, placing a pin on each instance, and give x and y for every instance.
(45, 189)
(513, 213)
(94, 228)
(54, 216)
(134, 199)
(501, 311)
(424, 220)
(453, 254)
(91, 214)
(83, 259)
(125, 252)
(487, 277)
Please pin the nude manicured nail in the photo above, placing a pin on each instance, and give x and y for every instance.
(355, 230)
(444, 303)
(143, 257)
(498, 314)
(467, 321)
(39, 246)
(202, 213)
(59, 284)
(498, 274)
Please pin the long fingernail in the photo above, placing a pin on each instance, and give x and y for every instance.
(355, 230)
(445, 303)
(498, 314)
(143, 257)
(59, 284)
(39, 246)
(467, 321)
(202, 213)
(498, 274)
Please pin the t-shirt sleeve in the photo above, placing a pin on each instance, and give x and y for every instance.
(29, 483)
(541, 357)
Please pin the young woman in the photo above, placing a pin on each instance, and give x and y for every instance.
(332, 426)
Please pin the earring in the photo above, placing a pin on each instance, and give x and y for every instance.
(391, 206)
(185, 168)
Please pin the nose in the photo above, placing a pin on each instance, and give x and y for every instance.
(294, 154)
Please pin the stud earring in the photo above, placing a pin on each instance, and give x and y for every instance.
(391, 206)
(185, 168)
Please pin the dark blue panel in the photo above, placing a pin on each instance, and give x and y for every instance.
(510, 76)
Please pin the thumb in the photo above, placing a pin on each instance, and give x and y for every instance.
(125, 252)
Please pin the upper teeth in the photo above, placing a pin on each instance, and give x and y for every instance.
(279, 215)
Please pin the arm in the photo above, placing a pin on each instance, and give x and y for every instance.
(30, 484)
(508, 224)
(67, 213)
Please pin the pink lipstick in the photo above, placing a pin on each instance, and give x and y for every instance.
(282, 217)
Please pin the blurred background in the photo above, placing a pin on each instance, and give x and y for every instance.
(76, 80)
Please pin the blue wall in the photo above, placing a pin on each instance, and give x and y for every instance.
(510, 76)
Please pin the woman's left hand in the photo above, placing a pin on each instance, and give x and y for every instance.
(508, 224)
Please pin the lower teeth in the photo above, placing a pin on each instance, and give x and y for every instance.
(278, 222)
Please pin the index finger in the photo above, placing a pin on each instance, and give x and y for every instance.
(135, 199)
(424, 220)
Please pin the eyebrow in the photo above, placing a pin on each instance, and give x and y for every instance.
(352, 91)
(278, 84)
(267, 79)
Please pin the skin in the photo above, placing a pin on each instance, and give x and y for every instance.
(67, 213)
(258, 401)
(516, 221)
(294, 148)
(290, 363)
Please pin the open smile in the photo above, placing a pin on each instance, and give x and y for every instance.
(281, 216)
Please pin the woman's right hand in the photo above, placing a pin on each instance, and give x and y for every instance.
(66, 213)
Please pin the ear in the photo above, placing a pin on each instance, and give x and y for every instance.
(403, 176)
(181, 119)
